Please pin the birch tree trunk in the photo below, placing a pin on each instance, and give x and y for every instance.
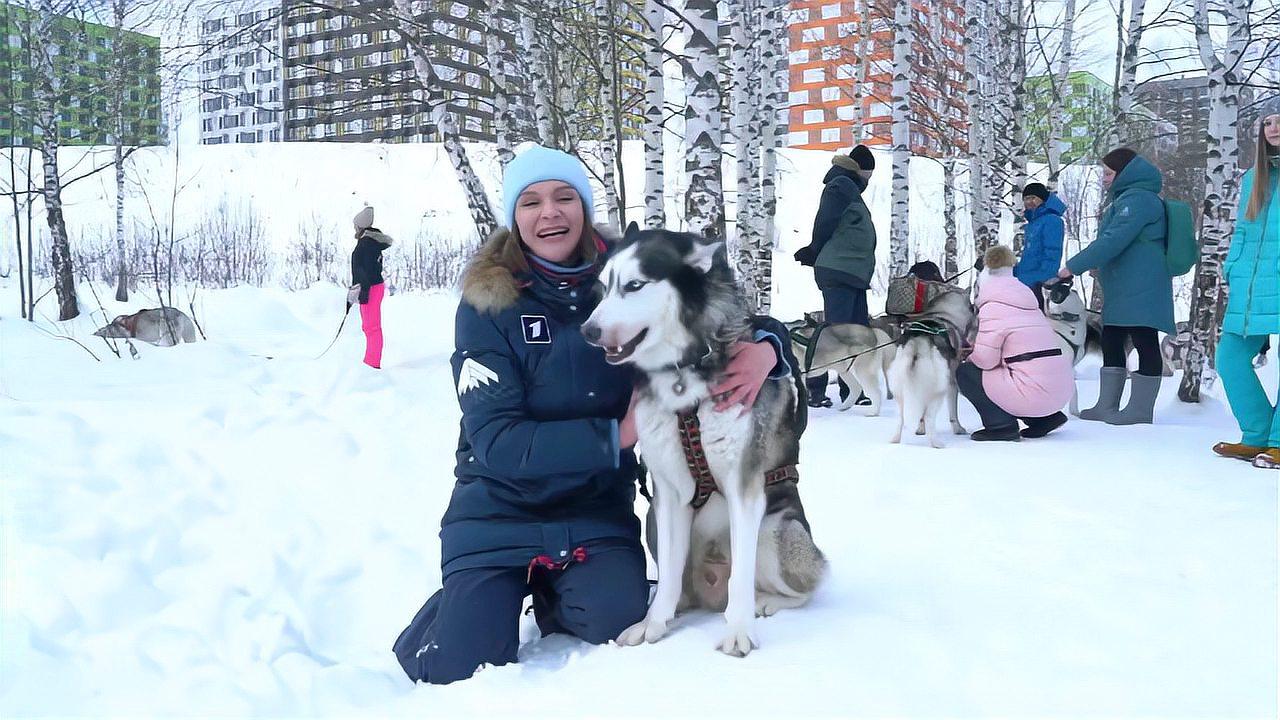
(495, 18)
(117, 112)
(608, 108)
(975, 62)
(740, 110)
(704, 206)
(538, 78)
(46, 89)
(951, 252)
(773, 101)
(1122, 132)
(900, 228)
(1018, 128)
(1056, 114)
(1222, 186)
(864, 69)
(431, 94)
(655, 214)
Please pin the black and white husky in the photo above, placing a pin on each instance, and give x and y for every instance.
(670, 307)
(923, 373)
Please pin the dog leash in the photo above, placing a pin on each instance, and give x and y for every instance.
(345, 313)
(853, 357)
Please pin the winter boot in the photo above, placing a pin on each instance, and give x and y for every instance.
(1007, 434)
(1039, 427)
(1237, 451)
(1268, 459)
(1110, 387)
(1142, 401)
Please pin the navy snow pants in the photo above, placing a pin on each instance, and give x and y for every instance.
(840, 304)
(475, 617)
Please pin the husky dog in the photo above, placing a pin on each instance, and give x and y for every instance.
(1069, 321)
(670, 307)
(924, 372)
(856, 353)
(158, 326)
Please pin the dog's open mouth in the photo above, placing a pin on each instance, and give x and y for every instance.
(619, 353)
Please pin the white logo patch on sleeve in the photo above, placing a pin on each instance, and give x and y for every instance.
(473, 375)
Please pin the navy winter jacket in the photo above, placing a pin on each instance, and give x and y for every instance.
(539, 468)
(366, 261)
(1042, 249)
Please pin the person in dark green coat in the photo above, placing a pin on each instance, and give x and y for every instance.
(1129, 255)
(842, 252)
(1252, 274)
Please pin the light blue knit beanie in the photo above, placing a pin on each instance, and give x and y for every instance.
(538, 164)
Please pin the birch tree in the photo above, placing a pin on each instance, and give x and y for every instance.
(772, 101)
(605, 20)
(977, 70)
(704, 206)
(538, 77)
(741, 107)
(432, 96)
(900, 228)
(655, 214)
(1222, 184)
(1129, 45)
(495, 16)
(1057, 119)
(45, 92)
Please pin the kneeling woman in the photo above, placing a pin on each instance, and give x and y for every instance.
(1017, 369)
(545, 491)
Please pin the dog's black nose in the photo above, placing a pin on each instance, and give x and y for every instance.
(591, 332)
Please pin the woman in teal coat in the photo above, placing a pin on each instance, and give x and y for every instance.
(1129, 256)
(1252, 274)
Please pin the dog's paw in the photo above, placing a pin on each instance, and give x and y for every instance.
(958, 429)
(937, 443)
(647, 630)
(737, 642)
(765, 606)
(896, 439)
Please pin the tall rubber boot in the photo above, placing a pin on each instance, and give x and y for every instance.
(1142, 402)
(1110, 387)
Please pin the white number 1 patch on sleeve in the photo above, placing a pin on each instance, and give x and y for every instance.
(536, 331)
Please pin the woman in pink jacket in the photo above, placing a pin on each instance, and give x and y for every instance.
(1017, 370)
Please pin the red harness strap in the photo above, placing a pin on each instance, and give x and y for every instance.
(696, 458)
(545, 562)
(920, 292)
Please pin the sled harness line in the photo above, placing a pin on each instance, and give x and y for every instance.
(329, 347)
(810, 345)
(696, 458)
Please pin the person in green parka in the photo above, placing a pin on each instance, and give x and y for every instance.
(1129, 255)
(1252, 275)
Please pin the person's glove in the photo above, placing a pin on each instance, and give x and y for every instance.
(980, 263)
(806, 256)
(353, 294)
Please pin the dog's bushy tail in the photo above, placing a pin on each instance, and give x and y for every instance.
(802, 564)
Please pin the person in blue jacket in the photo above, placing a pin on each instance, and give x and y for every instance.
(1042, 247)
(543, 502)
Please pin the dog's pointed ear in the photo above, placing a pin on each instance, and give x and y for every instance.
(632, 230)
(703, 254)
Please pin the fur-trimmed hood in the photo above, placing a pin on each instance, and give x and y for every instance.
(489, 282)
(375, 234)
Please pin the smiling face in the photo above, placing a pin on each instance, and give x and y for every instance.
(550, 219)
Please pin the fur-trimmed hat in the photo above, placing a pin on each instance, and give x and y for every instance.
(1036, 190)
(999, 260)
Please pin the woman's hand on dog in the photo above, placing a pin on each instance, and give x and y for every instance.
(749, 367)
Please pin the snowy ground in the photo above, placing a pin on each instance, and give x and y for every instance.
(206, 531)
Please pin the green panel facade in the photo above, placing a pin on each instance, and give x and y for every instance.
(1086, 116)
(85, 53)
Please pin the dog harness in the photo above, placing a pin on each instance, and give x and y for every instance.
(696, 458)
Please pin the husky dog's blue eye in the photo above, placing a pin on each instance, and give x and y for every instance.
(634, 285)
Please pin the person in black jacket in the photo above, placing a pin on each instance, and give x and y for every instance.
(842, 252)
(367, 288)
(544, 498)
